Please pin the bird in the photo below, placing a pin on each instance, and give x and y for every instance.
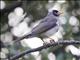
(46, 24)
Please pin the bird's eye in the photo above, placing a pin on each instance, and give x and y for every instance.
(55, 12)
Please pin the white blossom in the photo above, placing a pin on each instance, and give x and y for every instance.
(62, 20)
(21, 29)
(74, 58)
(2, 4)
(7, 37)
(51, 56)
(50, 1)
(59, 35)
(18, 11)
(38, 57)
(27, 19)
(5, 50)
(75, 29)
(14, 20)
(61, 29)
(35, 54)
(11, 15)
(73, 21)
(2, 55)
(32, 42)
(74, 50)
(61, 1)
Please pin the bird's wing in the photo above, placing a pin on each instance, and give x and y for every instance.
(44, 26)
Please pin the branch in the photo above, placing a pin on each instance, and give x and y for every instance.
(65, 42)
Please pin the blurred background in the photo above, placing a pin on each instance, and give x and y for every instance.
(19, 17)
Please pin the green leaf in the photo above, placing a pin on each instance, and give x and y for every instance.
(68, 56)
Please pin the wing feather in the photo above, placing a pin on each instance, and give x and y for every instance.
(44, 26)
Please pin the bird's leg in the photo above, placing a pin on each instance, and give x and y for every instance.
(52, 40)
(44, 43)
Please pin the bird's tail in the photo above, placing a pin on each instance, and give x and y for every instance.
(21, 38)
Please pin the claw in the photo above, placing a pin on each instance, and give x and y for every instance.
(45, 43)
(52, 41)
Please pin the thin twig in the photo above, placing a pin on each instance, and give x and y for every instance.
(65, 42)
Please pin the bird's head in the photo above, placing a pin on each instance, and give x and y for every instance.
(56, 12)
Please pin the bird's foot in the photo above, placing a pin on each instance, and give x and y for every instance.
(52, 41)
(45, 43)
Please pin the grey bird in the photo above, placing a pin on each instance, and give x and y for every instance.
(42, 29)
